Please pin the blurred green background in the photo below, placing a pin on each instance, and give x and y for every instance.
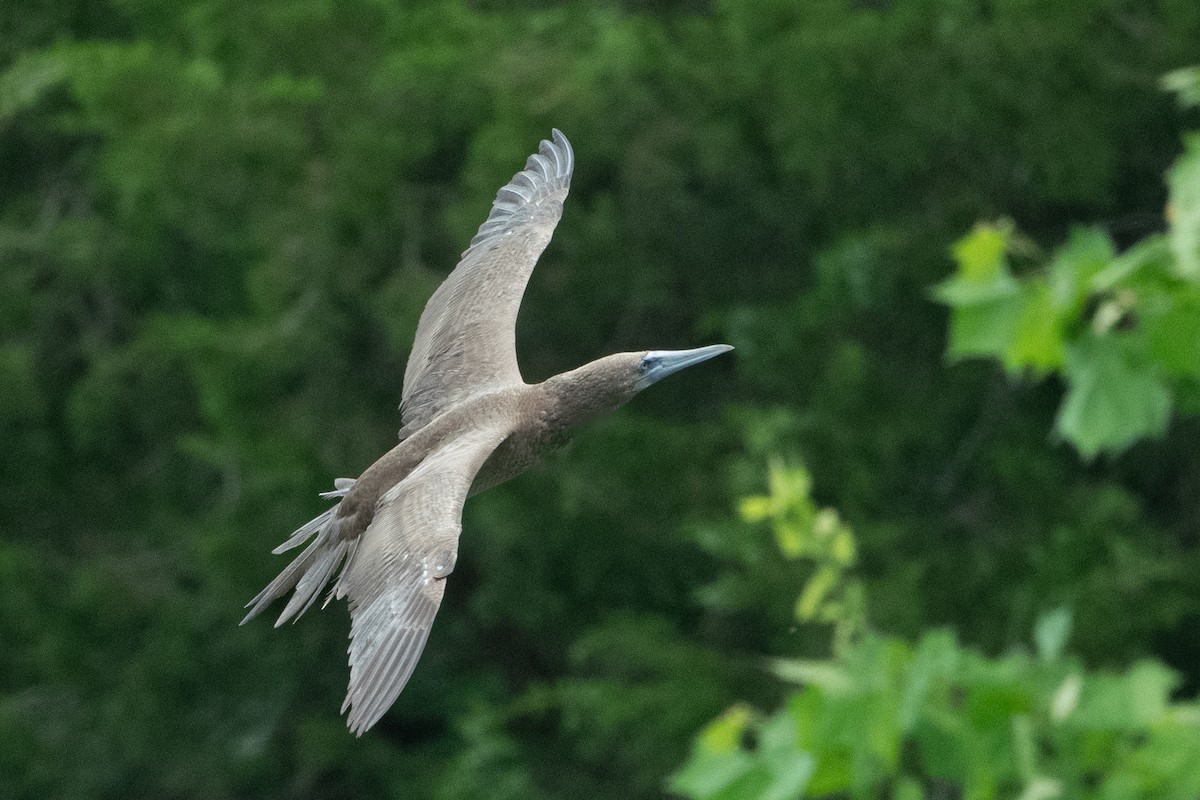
(220, 220)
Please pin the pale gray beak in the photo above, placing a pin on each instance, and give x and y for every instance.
(658, 364)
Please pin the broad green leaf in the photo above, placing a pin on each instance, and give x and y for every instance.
(944, 744)
(908, 789)
(1024, 746)
(718, 762)
(1112, 400)
(1187, 395)
(1150, 687)
(984, 329)
(1038, 336)
(983, 294)
(1184, 210)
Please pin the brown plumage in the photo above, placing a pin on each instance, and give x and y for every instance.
(469, 423)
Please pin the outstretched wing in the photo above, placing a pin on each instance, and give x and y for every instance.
(466, 339)
(397, 574)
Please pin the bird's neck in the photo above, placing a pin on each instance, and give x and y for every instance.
(590, 391)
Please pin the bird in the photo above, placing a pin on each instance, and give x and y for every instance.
(469, 422)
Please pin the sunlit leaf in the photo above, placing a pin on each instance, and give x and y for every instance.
(1038, 336)
(980, 254)
(754, 509)
(724, 734)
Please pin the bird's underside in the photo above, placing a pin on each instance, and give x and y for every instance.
(469, 422)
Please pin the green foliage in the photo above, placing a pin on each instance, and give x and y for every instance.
(1120, 330)
(890, 719)
(885, 718)
(819, 537)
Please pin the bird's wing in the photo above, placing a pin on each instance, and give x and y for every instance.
(396, 576)
(466, 339)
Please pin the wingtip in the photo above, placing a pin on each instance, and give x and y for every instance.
(558, 148)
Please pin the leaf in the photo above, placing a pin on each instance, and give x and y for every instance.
(1185, 83)
(1154, 251)
(984, 295)
(1113, 399)
(1183, 179)
(788, 484)
(1173, 336)
(936, 656)
(754, 509)
(1038, 333)
(718, 761)
(826, 674)
(724, 734)
(706, 776)
(908, 789)
(1136, 699)
(815, 592)
(980, 254)
(1066, 697)
(791, 538)
(984, 329)
(1087, 252)
(844, 550)
(1050, 633)
(790, 767)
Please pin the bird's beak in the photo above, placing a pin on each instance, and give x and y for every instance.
(658, 364)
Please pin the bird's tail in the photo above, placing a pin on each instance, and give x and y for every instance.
(311, 570)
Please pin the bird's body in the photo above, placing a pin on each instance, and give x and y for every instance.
(469, 423)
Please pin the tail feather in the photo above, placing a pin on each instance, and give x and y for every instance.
(315, 578)
(311, 570)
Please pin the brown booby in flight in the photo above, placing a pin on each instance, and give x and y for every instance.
(469, 422)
